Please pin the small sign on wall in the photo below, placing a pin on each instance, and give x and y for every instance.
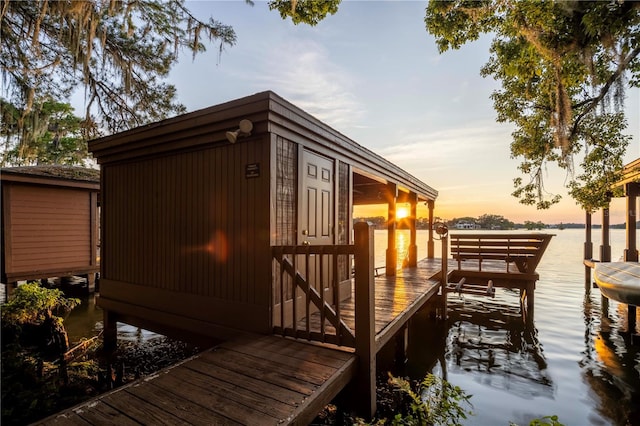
(252, 170)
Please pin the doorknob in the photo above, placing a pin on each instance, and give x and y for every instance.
(305, 232)
(306, 243)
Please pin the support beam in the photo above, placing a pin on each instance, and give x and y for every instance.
(413, 220)
(531, 291)
(444, 271)
(605, 247)
(631, 251)
(430, 242)
(9, 289)
(392, 253)
(588, 253)
(110, 331)
(605, 254)
(401, 347)
(365, 380)
(631, 319)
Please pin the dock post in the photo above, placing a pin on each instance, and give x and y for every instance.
(588, 253)
(430, 242)
(392, 252)
(631, 251)
(110, 331)
(605, 253)
(401, 346)
(413, 248)
(365, 320)
(531, 289)
(9, 288)
(605, 247)
(631, 319)
(445, 273)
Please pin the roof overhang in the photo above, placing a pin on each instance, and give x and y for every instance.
(630, 173)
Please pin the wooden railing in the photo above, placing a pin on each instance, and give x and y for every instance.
(311, 282)
(307, 281)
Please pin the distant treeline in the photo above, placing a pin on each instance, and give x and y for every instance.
(494, 222)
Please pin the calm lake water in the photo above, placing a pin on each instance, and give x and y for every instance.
(573, 362)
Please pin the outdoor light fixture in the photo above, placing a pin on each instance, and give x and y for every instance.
(244, 130)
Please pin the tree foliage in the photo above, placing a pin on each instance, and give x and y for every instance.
(50, 134)
(119, 51)
(33, 304)
(310, 12)
(564, 67)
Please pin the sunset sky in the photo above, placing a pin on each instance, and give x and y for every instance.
(373, 73)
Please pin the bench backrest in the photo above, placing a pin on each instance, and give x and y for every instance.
(525, 250)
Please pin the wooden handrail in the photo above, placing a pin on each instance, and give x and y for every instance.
(329, 311)
(326, 311)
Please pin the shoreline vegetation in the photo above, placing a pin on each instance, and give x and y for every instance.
(43, 373)
(485, 222)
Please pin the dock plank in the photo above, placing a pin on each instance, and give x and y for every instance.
(186, 407)
(262, 371)
(297, 350)
(276, 392)
(67, 418)
(252, 398)
(311, 371)
(229, 410)
(142, 412)
(100, 414)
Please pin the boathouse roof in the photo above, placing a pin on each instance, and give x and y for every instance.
(57, 175)
(269, 113)
(630, 173)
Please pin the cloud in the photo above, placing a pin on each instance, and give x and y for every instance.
(302, 71)
(451, 146)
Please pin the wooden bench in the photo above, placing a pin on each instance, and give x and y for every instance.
(523, 250)
(482, 258)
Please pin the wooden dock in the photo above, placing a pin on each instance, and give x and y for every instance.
(261, 379)
(256, 380)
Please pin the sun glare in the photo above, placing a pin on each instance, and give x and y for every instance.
(402, 212)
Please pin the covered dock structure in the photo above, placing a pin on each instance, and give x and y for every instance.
(616, 277)
(238, 219)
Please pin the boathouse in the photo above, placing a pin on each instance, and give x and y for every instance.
(49, 223)
(193, 205)
(238, 218)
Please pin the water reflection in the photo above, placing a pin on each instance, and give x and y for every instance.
(85, 321)
(498, 346)
(610, 364)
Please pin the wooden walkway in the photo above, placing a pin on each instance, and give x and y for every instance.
(258, 380)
